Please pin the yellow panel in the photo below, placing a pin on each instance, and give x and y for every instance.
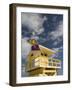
(36, 71)
(42, 72)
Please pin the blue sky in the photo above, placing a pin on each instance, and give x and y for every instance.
(47, 29)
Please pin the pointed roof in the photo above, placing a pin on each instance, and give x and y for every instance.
(46, 50)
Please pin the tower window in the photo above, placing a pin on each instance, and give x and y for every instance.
(50, 64)
(49, 60)
(45, 54)
(58, 65)
(42, 54)
(54, 64)
(32, 54)
(53, 60)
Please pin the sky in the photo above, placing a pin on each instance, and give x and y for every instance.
(47, 29)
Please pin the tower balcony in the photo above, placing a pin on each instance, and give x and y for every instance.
(43, 62)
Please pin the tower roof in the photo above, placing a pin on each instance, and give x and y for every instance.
(46, 50)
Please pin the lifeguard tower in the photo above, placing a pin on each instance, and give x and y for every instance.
(40, 62)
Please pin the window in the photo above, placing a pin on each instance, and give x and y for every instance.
(49, 60)
(53, 60)
(32, 54)
(57, 61)
(50, 64)
(58, 65)
(45, 54)
(54, 64)
(42, 54)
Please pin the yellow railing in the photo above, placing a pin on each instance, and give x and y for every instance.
(52, 63)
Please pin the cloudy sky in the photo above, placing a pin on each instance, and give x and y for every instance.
(47, 29)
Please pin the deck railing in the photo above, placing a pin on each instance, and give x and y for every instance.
(52, 63)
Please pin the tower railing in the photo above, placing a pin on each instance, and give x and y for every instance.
(52, 63)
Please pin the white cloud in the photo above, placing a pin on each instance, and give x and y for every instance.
(57, 49)
(35, 37)
(56, 34)
(57, 41)
(34, 22)
(25, 48)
